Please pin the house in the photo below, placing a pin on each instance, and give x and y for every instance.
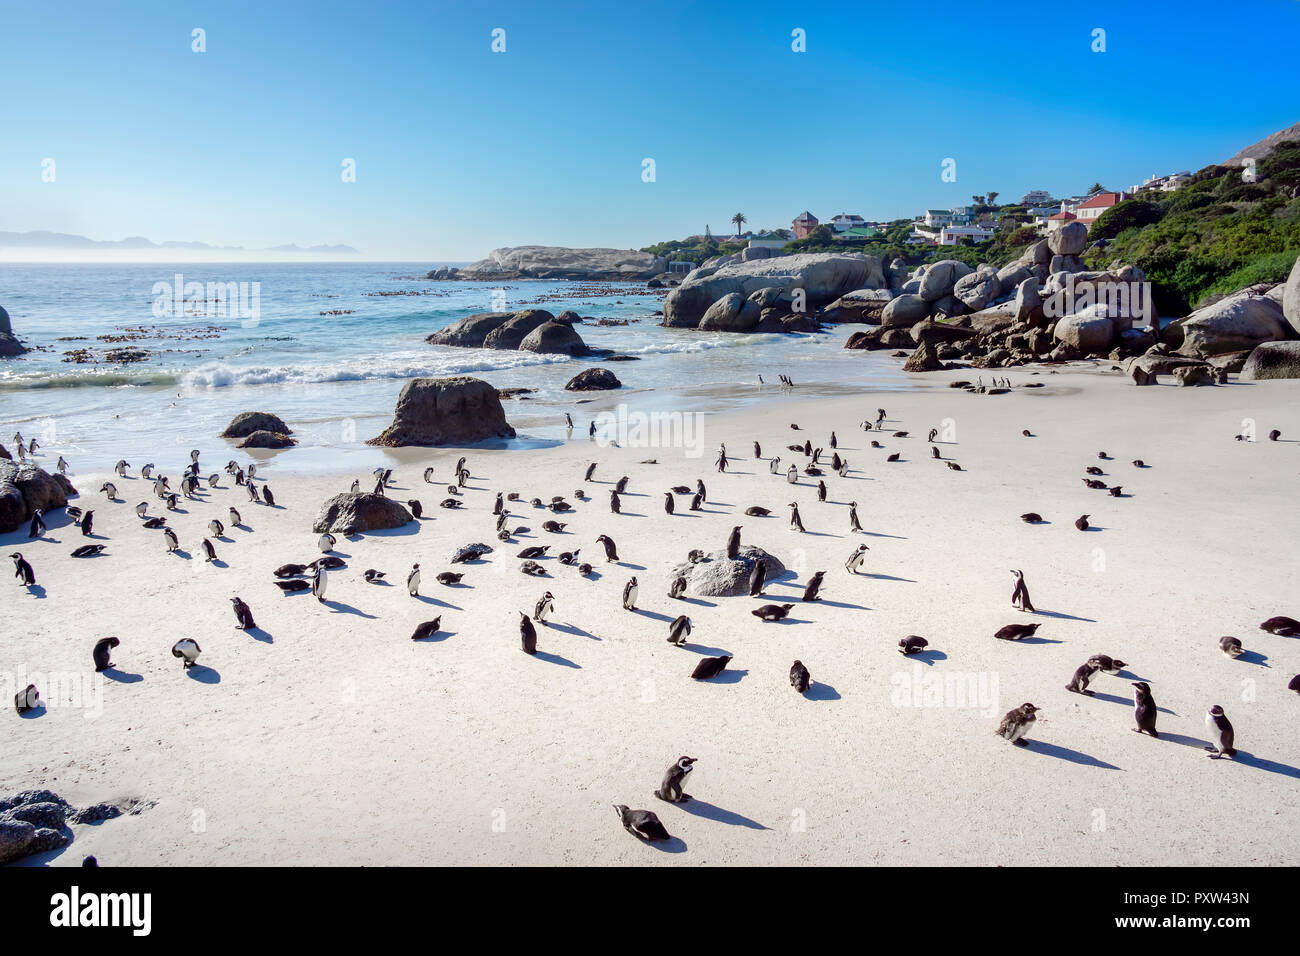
(804, 224)
(1090, 209)
(768, 240)
(1036, 197)
(954, 235)
(937, 217)
(844, 222)
(859, 232)
(1057, 221)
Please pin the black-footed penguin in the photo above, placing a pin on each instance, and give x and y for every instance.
(209, 552)
(289, 570)
(710, 667)
(216, 528)
(1107, 665)
(62, 466)
(37, 526)
(614, 504)
(611, 550)
(252, 491)
(800, 679)
(642, 824)
(629, 595)
(1294, 684)
(621, 485)
(1082, 522)
(87, 550)
(110, 490)
(792, 475)
(1144, 709)
(1231, 647)
(668, 502)
(326, 543)
(912, 644)
(677, 588)
(754, 511)
(447, 578)
(169, 539)
(188, 650)
(854, 524)
(758, 451)
(427, 629)
(103, 652)
(292, 587)
(534, 551)
(1017, 632)
(413, 581)
(355, 489)
(1274, 435)
(814, 586)
(235, 520)
(733, 542)
(679, 630)
(120, 468)
(319, 579)
(1282, 626)
(591, 470)
(853, 564)
(29, 698)
(1020, 593)
(772, 612)
(1017, 723)
(527, 634)
(1082, 677)
(243, 615)
(544, 608)
(269, 499)
(795, 521)
(670, 788)
(700, 492)
(1216, 722)
(774, 466)
(1031, 517)
(757, 578)
(87, 523)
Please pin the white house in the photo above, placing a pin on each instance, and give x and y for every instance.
(938, 217)
(1035, 197)
(953, 235)
(845, 221)
(1090, 209)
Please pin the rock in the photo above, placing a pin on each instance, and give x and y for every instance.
(1291, 298)
(26, 487)
(1029, 303)
(25, 797)
(471, 331)
(654, 284)
(16, 840)
(509, 334)
(978, 289)
(554, 338)
(995, 319)
(940, 278)
(823, 277)
(927, 331)
(1090, 330)
(469, 552)
(861, 305)
(562, 262)
(924, 359)
(96, 813)
(50, 815)
(244, 424)
(1272, 360)
(904, 312)
(443, 274)
(946, 307)
(770, 321)
(593, 379)
(800, 323)
(9, 344)
(1161, 364)
(1141, 376)
(863, 341)
(768, 296)
(1066, 265)
(4, 454)
(1070, 240)
(716, 575)
(1194, 375)
(750, 253)
(1230, 361)
(896, 339)
(442, 411)
(1011, 276)
(1036, 254)
(351, 514)
(732, 313)
(48, 840)
(567, 316)
(266, 439)
(1231, 325)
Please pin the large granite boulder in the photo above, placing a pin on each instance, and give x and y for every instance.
(554, 338)
(716, 575)
(471, 331)
(1235, 323)
(904, 311)
(1088, 330)
(509, 334)
(24, 488)
(1272, 360)
(732, 313)
(941, 277)
(823, 277)
(443, 411)
(593, 380)
(861, 305)
(978, 289)
(351, 514)
(928, 331)
(9, 344)
(924, 359)
(996, 318)
(1029, 301)
(1291, 298)
(562, 262)
(267, 439)
(4, 454)
(17, 839)
(1070, 240)
(245, 423)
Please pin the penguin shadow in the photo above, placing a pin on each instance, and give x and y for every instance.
(896, 537)
(1092, 528)
(728, 677)
(556, 659)
(1260, 763)
(120, 676)
(928, 658)
(35, 712)
(653, 615)
(821, 534)
(843, 604)
(1110, 698)
(260, 635)
(338, 607)
(1253, 657)
(573, 629)
(203, 674)
(338, 554)
(1065, 753)
(671, 845)
(37, 591)
(425, 599)
(1061, 615)
(1195, 743)
(887, 577)
(182, 553)
(697, 601)
(630, 566)
(1034, 639)
(708, 811)
(818, 691)
(218, 563)
(631, 514)
(703, 649)
(593, 575)
(436, 638)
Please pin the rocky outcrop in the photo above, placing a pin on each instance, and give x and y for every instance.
(471, 331)
(1272, 360)
(716, 575)
(509, 334)
(1232, 324)
(443, 411)
(861, 305)
(924, 359)
(940, 278)
(904, 311)
(823, 277)
(1194, 375)
(1070, 240)
(24, 488)
(978, 289)
(267, 439)
(245, 423)
(352, 514)
(562, 262)
(554, 338)
(1291, 298)
(9, 344)
(1088, 331)
(592, 380)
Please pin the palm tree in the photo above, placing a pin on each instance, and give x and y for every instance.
(978, 200)
(739, 219)
(992, 197)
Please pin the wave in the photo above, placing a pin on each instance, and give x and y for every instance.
(725, 341)
(220, 375)
(90, 379)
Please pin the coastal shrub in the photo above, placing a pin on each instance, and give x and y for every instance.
(1270, 268)
(1129, 214)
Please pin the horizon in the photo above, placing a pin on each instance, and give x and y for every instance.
(118, 128)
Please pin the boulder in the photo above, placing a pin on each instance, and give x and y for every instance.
(470, 331)
(941, 277)
(750, 253)
(1066, 264)
(861, 305)
(1291, 298)
(24, 488)
(48, 815)
(924, 359)
(799, 323)
(593, 379)
(1161, 363)
(1231, 325)
(509, 334)
(767, 297)
(904, 311)
(1194, 375)
(554, 338)
(1088, 331)
(1070, 240)
(1011, 275)
(864, 341)
(4, 454)
(732, 313)
(1029, 303)
(896, 339)
(716, 575)
(568, 316)
(978, 289)
(562, 262)
(351, 514)
(244, 424)
(16, 840)
(995, 319)
(1272, 360)
(1230, 361)
(1036, 254)
(442, 411)
(267, 439)
(9, 344)
(927, 331)
(1141, 375)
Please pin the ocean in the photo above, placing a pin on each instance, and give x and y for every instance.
(328, 347)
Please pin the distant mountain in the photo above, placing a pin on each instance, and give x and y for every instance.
(294, 247)
(1265, 146)
(42, 239)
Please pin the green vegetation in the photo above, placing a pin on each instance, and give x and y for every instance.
(694, 250)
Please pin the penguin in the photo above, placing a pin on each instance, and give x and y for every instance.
(1082, 676)
(328, 563)
(1094, 484)
(912, 644)
(1093, 470)
(209, 552)
(103, 652)
(1103, 456)
(447, 577)
(1282, 626)
(292, 587)
(1027, 433)
(679, 630)
(269, 498)
(733, 542)
(1017, 632)
(1020, 593)
(629, 595)
(355, 489)
(169, 539)
(568, 557)
(591, 429)
(642, 824)
(252, 491)
(814, 586)
(1139, 463)
(677, 588)
(774, 466)
(235, 520)
(326, 543)
(527, 634)
(621, 485)
(611, 550)
(216, 528)
(792, 476)
(413, 581)
(757, 578)
(1231, 647)
(772, 612)
(37, 526)
(319, 579)
(821, 491)
(188, 650)
(710, 667)
(172, 502)
(428, 476)
(154, 523)
(722, 459)
(1082, 523)
(534, 551)
(895, 456)
(614, 504)
(120, 468)
(1294, 684)
(584, 569)
(754, 511)
(1274, 435)
(213, 480)
(1017, 723)
(1107, 665)
(544, 608)
(252, 472)
(243, 615)
(953, 466)
(1216, 722)
(670, 789)
(795, 521)
(880, 416)
(758, 451)
(591, 470)
(88, 551)
(853, 564)
(800, 679)
(1116, 491)
(1031, 517)
(62, 466)
(934, 452)
(1144, 709)
(110, 490)
(854, 524)
(29, 698)
(834, 442)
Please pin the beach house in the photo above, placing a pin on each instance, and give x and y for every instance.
(1091, 208)
(805, 223)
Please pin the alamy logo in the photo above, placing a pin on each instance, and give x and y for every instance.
(216, 300)
(924, 688)
(628, 429)
(76, 690)
(73, 909)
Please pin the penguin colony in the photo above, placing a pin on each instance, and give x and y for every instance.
(1016, 727)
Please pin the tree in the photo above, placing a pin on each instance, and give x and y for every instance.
(1129, 214)
(739, 219)
(977, 200)
(1096, 188)
(992, 198)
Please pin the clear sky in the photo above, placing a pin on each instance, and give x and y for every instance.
(459, 149)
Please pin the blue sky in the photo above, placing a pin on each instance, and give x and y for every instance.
(459, 150)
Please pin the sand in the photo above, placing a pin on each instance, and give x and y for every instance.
(332, 738)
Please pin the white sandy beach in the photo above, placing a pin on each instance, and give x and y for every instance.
(332, 738)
